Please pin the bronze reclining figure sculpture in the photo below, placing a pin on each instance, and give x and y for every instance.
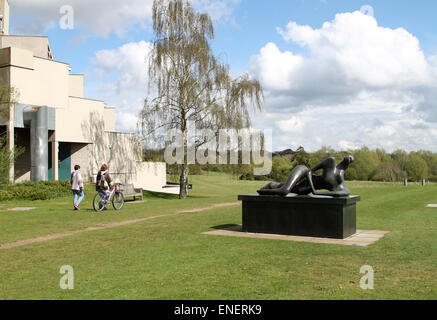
(303, 181)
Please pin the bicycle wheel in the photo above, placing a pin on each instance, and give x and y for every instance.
(118, 201)
(98, 202)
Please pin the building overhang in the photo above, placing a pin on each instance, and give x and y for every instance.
(21, 119)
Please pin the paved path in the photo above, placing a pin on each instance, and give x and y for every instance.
(109, 226)
(362, 238)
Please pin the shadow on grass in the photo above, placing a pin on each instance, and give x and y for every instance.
(133, 201)
(155, 195)
(164, 196)
(225, 226)
(87, 209)
(198, 197)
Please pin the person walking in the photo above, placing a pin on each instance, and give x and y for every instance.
(76, 182)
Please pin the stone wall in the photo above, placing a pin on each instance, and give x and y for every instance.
(79, 155)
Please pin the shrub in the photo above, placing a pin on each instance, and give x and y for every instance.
(281, 168)
(5, 195)
(6, 157)
(35, 190)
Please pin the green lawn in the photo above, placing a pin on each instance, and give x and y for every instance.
(169, 258)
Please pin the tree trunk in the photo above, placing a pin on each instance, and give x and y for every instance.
(183, 182)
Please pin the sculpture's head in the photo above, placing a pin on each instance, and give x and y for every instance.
(346, 162)
(349, 159)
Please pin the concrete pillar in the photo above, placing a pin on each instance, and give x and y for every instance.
(39, 140)
(55, 159)
(39, 137)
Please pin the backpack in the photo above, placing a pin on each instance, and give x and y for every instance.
(100, 181)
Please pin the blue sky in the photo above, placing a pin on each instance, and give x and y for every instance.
(253, 24)
(332, 76)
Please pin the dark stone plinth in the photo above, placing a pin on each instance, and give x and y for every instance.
(310, 216)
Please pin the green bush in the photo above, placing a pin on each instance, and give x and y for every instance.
(6, 157)
(281, 168)
(5, 195)
(35, 190)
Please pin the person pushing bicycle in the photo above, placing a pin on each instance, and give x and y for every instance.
(103, 181)
(104, 194)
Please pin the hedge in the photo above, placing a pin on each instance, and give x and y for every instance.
(35, 190)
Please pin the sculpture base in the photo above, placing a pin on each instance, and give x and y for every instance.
(310, 216)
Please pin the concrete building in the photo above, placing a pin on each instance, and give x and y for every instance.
(57, 125)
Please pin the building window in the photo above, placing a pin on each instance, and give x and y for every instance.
(49, 53)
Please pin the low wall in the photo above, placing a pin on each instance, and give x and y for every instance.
(150, 176)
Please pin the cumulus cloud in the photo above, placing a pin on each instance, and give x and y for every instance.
(348, 145)
(353, 83)
(275, 68)
(342, 128)
(100, 17)
(128, 60)
(292, 125)
(347, 56)
(122, 73)
(365, 53)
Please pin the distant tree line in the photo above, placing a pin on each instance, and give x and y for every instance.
(369, 165)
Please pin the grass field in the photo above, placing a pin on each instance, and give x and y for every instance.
(168, 257)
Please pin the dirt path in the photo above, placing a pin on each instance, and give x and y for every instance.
(109, 226)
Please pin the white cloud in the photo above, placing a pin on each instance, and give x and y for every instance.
(358, 84)
(275, 67)
(122, 73)
(364, 52)
(348, 145)
(348, 56)
(100, 17)
(128, 60)
(344, 128)
(292, 125)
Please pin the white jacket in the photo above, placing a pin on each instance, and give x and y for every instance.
(76, 180)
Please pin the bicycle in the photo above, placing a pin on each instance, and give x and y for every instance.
(101, 199)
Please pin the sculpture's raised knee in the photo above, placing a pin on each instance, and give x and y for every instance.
(300, 170)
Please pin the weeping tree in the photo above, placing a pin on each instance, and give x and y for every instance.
(8, 96)
(189, 84)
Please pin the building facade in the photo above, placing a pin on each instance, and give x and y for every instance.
(57, 126)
